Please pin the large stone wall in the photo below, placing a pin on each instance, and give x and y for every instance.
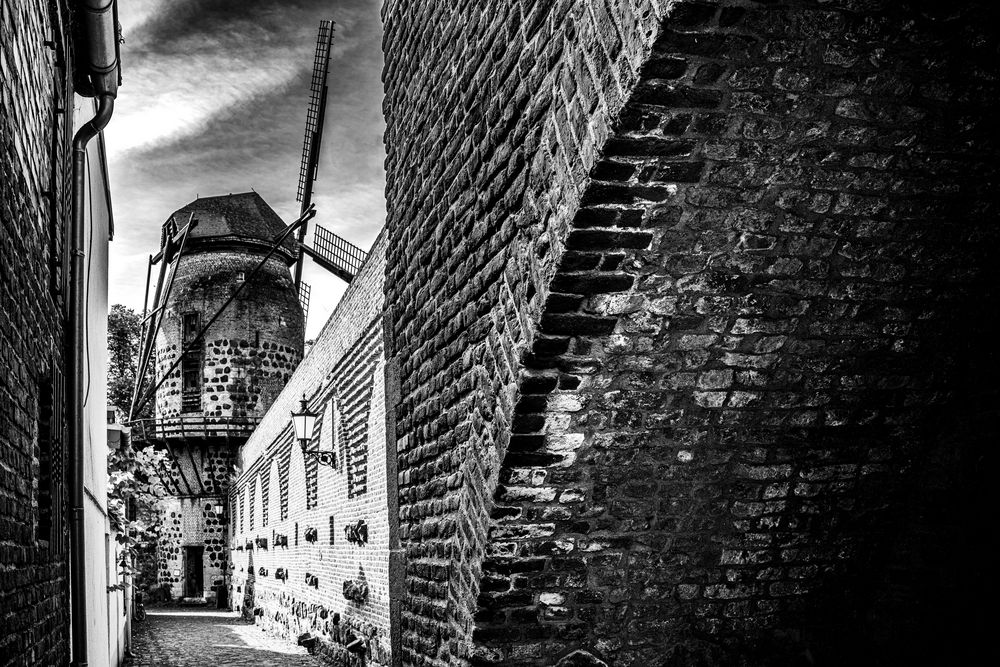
(33, 213)
(487, 151)
(672, 291)
(281, 495)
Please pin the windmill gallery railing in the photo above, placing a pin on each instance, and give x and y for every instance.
(192, 426)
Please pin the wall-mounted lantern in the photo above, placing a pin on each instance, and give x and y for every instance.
(280, 540)
(262, 571)
(262, 543)
(312, 534)
(281, 573)
(303, 421)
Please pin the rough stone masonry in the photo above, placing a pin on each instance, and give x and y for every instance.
(688, 307)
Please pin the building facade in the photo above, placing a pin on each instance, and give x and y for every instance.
(312, 544)
(42, 615)
(215, 384)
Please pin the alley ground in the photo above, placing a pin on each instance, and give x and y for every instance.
(188, 638)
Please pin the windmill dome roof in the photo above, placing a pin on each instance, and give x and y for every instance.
(240, 219)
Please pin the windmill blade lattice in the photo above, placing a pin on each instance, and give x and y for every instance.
(305, 293)
(314, 112)
(338, 251)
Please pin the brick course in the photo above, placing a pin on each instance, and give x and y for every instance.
(34, 211)
(670, 287)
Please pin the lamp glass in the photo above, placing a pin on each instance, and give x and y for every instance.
(303, 422)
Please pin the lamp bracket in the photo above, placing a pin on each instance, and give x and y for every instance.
(324, 457)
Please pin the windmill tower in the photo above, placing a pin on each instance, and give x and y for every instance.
(224, 336)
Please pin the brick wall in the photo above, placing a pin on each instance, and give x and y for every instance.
(672, 289)
(488, 148)
(311, 505)
(33, 212)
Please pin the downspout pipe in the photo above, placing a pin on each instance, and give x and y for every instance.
(98, 71)
(97, 74)
(77, 362)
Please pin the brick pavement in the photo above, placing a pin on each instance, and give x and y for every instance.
(188, 638)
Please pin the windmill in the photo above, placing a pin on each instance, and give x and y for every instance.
(330, 251)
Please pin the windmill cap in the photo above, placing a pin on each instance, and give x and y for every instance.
(242, 219)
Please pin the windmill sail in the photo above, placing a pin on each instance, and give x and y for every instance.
(305, 293)
(313, 138)
(314, 113)
(330, 251)
(338, 251)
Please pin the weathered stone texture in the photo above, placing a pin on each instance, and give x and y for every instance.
(673, 291)
(250, 351)
(33, 213)
(495, 115)
(187, 522)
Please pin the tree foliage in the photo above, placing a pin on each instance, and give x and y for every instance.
(124, 331)
(133, 473)
(134, 491)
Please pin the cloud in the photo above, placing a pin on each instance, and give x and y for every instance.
(187, 62)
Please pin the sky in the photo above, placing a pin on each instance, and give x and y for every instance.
(213, 101)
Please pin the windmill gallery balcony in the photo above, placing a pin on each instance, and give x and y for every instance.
(194, 426)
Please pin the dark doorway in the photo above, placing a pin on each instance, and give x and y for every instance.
(194, 572)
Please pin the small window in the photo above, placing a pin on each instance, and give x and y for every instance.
(50, 423)
(192, 322)
(191, 370)
(45, 457)
(240, 277)
(191, 366)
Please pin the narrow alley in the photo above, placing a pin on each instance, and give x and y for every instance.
(190, 638)
(498, 333)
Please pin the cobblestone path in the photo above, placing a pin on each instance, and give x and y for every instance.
(186, 638)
